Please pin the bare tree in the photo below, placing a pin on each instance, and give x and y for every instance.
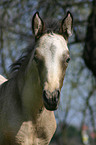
(79, 89)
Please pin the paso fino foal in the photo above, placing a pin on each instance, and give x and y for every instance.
(29, 97)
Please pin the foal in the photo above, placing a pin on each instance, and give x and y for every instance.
(29, 97)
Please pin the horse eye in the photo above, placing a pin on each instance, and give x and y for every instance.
(68, 59)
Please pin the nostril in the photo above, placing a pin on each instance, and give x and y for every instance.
(44, 93)
(55, 99)
(45, 96)
(58, 94)
(55, 96)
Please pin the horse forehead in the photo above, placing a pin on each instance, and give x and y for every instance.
(51, 43)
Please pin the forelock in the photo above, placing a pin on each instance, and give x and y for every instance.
(52, 26)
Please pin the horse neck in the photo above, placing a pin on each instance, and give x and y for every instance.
(30, 89)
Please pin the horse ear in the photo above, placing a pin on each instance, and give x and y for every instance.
(67, 25)
(37, 24)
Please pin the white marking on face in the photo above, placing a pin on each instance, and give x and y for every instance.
(52, 48)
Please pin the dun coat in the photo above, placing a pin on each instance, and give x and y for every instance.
(28, 99)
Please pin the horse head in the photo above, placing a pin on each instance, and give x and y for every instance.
(51, 55)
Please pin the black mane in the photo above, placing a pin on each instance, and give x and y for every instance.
(50, 26)
(26, 54)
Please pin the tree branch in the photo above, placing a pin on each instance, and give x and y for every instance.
(71, 4)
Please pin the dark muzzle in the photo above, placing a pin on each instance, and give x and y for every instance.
(51, 100)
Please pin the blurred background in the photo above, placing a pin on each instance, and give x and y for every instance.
(76, 116)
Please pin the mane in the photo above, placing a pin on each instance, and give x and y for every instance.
(14, 68)
(50, 26)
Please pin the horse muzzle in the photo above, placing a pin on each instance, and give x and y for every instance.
(51, 100)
